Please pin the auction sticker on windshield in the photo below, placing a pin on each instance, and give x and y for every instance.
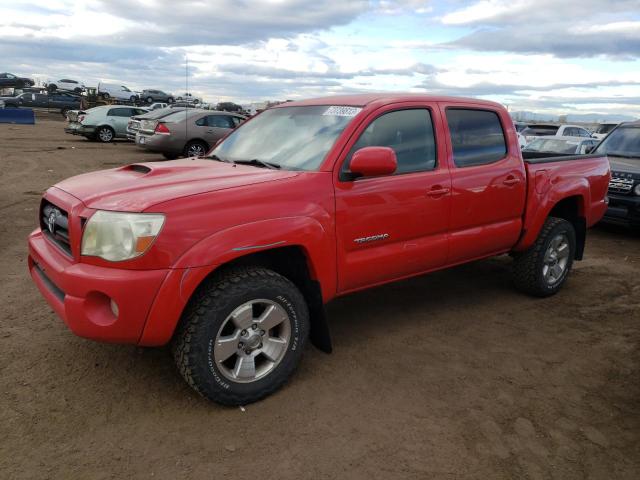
(342, 111)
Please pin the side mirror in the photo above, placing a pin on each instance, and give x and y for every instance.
(373, 162)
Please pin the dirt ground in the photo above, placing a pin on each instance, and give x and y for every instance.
(452, 375)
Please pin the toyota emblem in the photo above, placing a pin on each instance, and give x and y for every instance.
(51, 221)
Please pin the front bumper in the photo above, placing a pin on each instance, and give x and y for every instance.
(623, 209)
(82, 294)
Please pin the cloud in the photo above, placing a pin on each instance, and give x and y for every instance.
(567, 29)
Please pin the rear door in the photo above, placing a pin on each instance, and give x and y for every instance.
(118, 118)
(488, 181)
(217, 127)
(394, 226)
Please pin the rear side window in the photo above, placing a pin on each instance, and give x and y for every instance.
(408, 132)
(220, 121)
(476, 136)
(120, 112)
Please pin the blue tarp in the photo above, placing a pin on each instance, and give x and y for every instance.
(23, 116)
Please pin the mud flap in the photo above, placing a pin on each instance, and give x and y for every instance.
(320, 336)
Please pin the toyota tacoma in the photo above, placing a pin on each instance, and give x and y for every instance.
(231, 257)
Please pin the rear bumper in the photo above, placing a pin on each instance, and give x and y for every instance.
(159, 143)
(83, 130)
(82, 294)
(623, 209)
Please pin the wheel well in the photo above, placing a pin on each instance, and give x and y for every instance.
(292, 263)
(571, 210)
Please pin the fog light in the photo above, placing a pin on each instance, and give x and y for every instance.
(114, 308)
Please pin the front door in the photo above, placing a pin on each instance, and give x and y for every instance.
(394, 226)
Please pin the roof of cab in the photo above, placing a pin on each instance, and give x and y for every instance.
(383, 98)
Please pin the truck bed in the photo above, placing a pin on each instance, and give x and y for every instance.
(547, 157)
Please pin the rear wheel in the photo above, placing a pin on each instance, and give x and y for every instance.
(133, 98)
(149, 99)
(543, 269)
(170, 100)
(195, 148)
(242, 336)
(105, 134)
(105, 95)
(64, 111)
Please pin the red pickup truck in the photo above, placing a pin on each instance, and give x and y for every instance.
(232, 257)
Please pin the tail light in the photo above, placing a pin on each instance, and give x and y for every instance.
(161, 129)
(80, 118)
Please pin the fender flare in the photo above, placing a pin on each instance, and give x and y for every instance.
(222, 247)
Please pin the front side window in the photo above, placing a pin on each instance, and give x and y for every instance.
(408, 132)
(477, 137)
(295, 138)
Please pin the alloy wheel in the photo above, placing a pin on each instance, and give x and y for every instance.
(556, 259)
(252, 341)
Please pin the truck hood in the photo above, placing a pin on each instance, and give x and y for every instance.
(137, 187)
(626, 165)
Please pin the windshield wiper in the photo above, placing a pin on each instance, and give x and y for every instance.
(622, 155)
(218, 159)
(259, 163)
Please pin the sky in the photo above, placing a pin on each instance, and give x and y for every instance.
(550, 57)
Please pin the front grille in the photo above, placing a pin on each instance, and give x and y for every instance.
(621, 185)
(54, 223)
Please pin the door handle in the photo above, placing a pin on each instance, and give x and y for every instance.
(511, 180)
(438, 191)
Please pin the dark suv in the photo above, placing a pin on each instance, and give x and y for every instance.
(622, 146)
(151, 96)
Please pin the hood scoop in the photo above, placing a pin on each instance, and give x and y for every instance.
(136, 167)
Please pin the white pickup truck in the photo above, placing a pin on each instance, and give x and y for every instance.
(547, 130)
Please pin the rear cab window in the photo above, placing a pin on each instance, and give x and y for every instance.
(477, 136)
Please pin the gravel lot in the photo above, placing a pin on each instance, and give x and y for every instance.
(452, 375)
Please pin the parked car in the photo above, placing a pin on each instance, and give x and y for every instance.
(9, 80)
(603, 129)
(51, 101)
(622, 146)
(151, 96)
(119, 92)
(520, 126)
(547, 130)
(568, 145)
(188, 98)
(104, 123)
(190, 133)
(158, 105)
(136, 121)
(231, 258)
(66, 85)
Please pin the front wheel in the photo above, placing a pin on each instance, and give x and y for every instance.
(149, 99)
(543, 268)
(242, 336)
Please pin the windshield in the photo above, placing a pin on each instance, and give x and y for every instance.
(554, 146)
(295, 138)
(623, 142)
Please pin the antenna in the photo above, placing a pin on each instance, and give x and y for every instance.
(186, 84)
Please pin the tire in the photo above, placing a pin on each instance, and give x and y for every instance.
(170, 156)
(105, 134)
(53, 87)
(133, 98)
(195, 148)
(170, 100)
(216, 312)
(149, 99)
(64, 111)
(543, 269)
(196, 101)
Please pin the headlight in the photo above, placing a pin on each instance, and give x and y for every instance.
(636, 190)
(117, 236)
